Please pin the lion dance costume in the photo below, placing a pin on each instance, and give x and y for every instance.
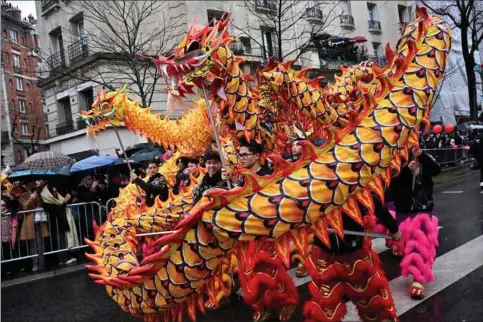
(369, 118)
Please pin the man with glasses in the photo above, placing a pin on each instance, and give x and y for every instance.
(249, 156)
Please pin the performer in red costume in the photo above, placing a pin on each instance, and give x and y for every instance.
(350, 269)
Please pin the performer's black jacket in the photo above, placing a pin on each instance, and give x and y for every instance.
(351, 243)
(156, 186)
(402, 185)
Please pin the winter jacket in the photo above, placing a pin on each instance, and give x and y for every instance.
(156, 186)
(402, 185)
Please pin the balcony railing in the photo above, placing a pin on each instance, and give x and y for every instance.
(78, 50)
(236, 48)
(374, 26)
(379, 60)
(347, 21)
(265, 5)
(5, 137)
(56, 61)
(333, 64)
(81, 124)
(314, 14)
(48, 4)
(64, 128)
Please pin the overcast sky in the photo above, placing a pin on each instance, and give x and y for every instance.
(27, 7)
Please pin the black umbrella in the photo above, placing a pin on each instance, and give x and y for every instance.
(147, 154)
(121, 166)
(130, 150)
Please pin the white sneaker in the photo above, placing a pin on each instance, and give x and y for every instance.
(35, 268)
(481, 185)
(71, 261)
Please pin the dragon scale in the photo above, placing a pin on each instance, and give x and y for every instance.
(310, 195)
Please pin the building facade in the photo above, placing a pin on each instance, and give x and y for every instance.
(22, 113)
(359, 31)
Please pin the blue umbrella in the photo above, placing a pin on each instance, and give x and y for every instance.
(33, 174)
(93, 162)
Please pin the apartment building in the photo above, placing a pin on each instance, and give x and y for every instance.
(22, 111)
(359, 31)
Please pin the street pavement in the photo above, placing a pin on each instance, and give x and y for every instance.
(455, 295)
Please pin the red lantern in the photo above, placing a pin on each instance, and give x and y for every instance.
(448, 128)
(437, 129)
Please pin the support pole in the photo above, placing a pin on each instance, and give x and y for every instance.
(215, 132)
(125, 156)
(346, 232)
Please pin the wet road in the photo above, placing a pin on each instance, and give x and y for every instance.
(455, 295)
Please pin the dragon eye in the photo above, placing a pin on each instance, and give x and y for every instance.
(104, 105)
(193, 46)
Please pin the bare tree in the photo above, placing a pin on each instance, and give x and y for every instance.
(467, 16)
(286, 23)
(27, 124)
(120, 35)
(34, 126)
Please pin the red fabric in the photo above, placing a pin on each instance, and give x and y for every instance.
(264, 279)
(357, 276)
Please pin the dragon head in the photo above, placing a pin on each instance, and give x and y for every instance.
(105, 110)
(199, 60)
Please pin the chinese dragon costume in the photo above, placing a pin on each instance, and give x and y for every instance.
(369, 118)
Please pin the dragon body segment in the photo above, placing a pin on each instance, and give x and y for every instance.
(190, 134)
(299, 199)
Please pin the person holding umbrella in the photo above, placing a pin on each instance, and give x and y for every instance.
(155, 186)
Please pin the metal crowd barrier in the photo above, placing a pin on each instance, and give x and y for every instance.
(448, 156)
(38, 234)
(111, 203)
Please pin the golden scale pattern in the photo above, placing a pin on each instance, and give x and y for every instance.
(310, 195)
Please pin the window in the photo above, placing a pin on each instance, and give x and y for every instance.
(19, 156)
(22, 40)
(30, 108)
(13, 35)
(80, 29)
(21, 106)
(25, 63)
(311, 4)
(28, 87)
(25, 128)
(16, 60)
(403, 14)
(346, 7)
(19, 84)
(86, 99)
(214, 16)
(372, 9)
(6, 58)
(10, 83)
(13, 106)
(377, 48)
(270, 44)
(47, 130)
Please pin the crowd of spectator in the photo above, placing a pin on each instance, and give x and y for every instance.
(455, 139)
(57, 221)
